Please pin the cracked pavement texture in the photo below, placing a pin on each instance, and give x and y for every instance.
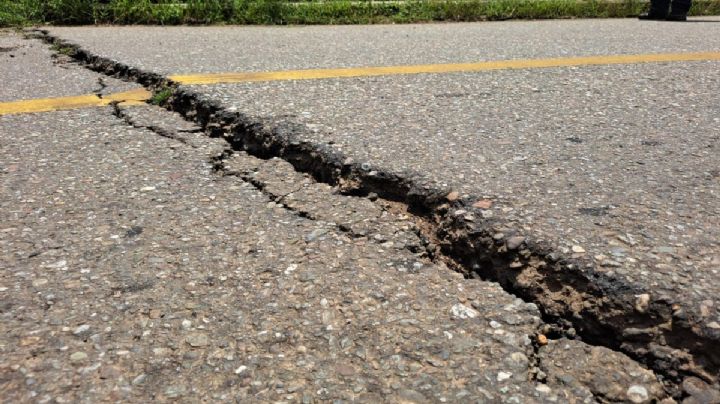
(137, 272)
(614, 165)
(132, 268)
(31, 70)
(607, 176)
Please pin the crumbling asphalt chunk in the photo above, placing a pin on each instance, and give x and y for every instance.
(597, 372)
(698, 391)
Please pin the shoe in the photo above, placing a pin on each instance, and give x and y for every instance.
(653, 16)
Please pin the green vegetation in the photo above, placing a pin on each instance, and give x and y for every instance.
(63, 50)
(173, 12)
(160, 96)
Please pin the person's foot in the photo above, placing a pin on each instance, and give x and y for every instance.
(653, 15)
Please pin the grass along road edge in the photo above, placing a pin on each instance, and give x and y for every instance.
(169, 12)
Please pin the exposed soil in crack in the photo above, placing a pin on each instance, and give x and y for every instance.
(576, 301)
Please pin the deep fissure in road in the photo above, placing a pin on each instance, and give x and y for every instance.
(574, 300)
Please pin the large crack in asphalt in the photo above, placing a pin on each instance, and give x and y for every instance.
(575, 300)
(221, 166)
(278, 180)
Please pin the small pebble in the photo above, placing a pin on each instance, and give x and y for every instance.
(78, 357)
(503, 376)
(542, 339)
(637, 394)
(197, 340)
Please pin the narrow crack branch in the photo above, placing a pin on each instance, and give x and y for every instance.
(218, 163)
(119, 112)
(103, 86)
(198, 130)
(280, 198)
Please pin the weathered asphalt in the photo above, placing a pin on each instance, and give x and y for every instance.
(174, 50)
(141, 260)
(615, 166)
(610, 165)
(34, 72)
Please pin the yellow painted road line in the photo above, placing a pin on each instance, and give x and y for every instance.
(217, 78)
(140, 95)
(132, 97)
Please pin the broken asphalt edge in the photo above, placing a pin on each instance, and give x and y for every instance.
(569, 291)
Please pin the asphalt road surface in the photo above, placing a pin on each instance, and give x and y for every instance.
(196, 270)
